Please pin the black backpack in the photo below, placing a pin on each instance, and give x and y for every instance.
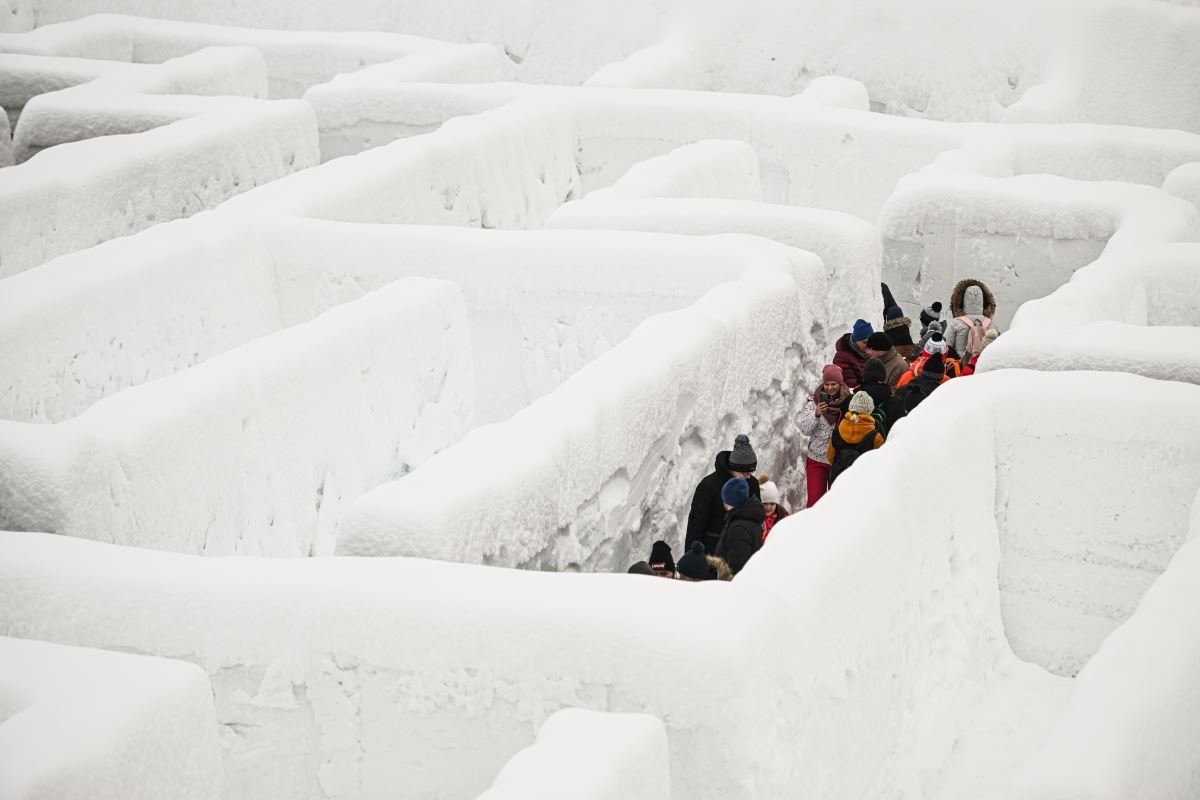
(846, 454)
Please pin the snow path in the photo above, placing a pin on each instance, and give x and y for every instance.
(1011, 723)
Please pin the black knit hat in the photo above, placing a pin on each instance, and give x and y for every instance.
(934, 366)
(660, 557)
(742, 459)
(694, 563)
(874, 371)
(931, 312)
(879, 341)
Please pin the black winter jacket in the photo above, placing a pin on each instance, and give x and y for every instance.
(742, 535)
(892, 406)
(915, 392)
(707, 517)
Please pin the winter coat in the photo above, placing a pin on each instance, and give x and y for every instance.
(917, 390)
(781, 513)
(854, 432)
(850, 359)
(895, 365)
(886, 401)
(707, 516)
(952, 369)
(971, 299)
(818, 430)
(742, 535)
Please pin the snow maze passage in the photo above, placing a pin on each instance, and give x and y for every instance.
(344, 372)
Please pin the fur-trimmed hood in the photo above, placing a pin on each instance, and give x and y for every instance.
(898, 322)
(959, 294)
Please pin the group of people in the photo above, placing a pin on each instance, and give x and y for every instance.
(876, 378)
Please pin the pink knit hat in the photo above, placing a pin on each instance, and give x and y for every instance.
(832, 373)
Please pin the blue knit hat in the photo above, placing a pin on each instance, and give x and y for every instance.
(862, 331)
(735, 492)
(893, 312)
(694, 563)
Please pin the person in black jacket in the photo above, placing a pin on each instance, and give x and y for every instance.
(876, 386)
(707, 517)
(919, 388)
(744, 517)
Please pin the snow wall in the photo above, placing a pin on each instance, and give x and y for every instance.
(1132, 310)
(600, 756)
(77, 724)
(257, 450)
(357, 676)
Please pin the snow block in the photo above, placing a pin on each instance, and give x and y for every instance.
(576, 478)
(77, 724)
(848, 246)
(1023, 236)
(6, 145)
(601, 756)
(1184, 183)
(257, 450)
(1135, 711)
(80, 194)
(714, 168)
(665, 65)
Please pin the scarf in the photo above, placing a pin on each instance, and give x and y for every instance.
(833, 414)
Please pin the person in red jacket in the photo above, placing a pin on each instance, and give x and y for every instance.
(771, 504)
(851, 353)
(936, 346)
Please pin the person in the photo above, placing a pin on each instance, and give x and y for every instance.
(855, 435)
(879, 346)
(933, 327)
(641, 568)
(930, 314)
(899, 330)
(972, 307)
(661, 560)
(743, 532)
(821, 414)
(887, 408)
(989, 337)
(772, 506)
(693, 565)
(707, 515)
(936, 346)
(850, 353)
(915, 392)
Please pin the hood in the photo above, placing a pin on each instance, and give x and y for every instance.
(846, 345)
(752, 510)
(898, 322)
(879, 392)
(722, 463)
(855, 432)
(979, 302)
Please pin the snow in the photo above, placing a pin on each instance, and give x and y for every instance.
(836, 92)
(399, 672)
(80, 194)
(77, 723)
(649, 418)
(1023, 236)
(848, 246)
(600, 756)
(258, 450)
(6, 149)
(714, 168)
(1184, 182)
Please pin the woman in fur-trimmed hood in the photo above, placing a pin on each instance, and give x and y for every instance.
(972, 306)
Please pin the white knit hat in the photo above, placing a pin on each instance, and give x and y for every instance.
(935, 345)
(861, 403)
(770, 492)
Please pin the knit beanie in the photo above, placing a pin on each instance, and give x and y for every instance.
(735, 492)
(874, 372)
(879, 341)
(832, 373)
(893, 312)
(641, 568)
(931, 312)
(770, 492)
(861, 403)
(660, 556)
(694, 563)
(742, 459)
(862, 330)
(934, 366)
(935, 327)
(936, 344)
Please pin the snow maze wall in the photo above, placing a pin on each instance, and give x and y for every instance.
(302, 360)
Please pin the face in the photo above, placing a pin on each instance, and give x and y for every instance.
(769, 508)
(831, 387)
(745, 475)
(663, 573)
(727, 506)
(875, 353)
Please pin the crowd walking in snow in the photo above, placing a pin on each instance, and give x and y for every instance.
(876, 379)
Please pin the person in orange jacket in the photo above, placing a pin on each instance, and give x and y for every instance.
(935, 346)
(855, 435)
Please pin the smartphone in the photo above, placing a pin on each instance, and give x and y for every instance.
(826, 397)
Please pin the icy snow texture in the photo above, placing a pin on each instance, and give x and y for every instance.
(1023, 236)
(599, 756)
(1184, 183)
(6, 148)
(715, 168)
(1132, 310)
(595, 471)
(848, 246)
(80, 194)
(258, 450)
(295, 60)
(414, 674)
(78, 724)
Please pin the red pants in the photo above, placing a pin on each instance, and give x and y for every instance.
(818, 480)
